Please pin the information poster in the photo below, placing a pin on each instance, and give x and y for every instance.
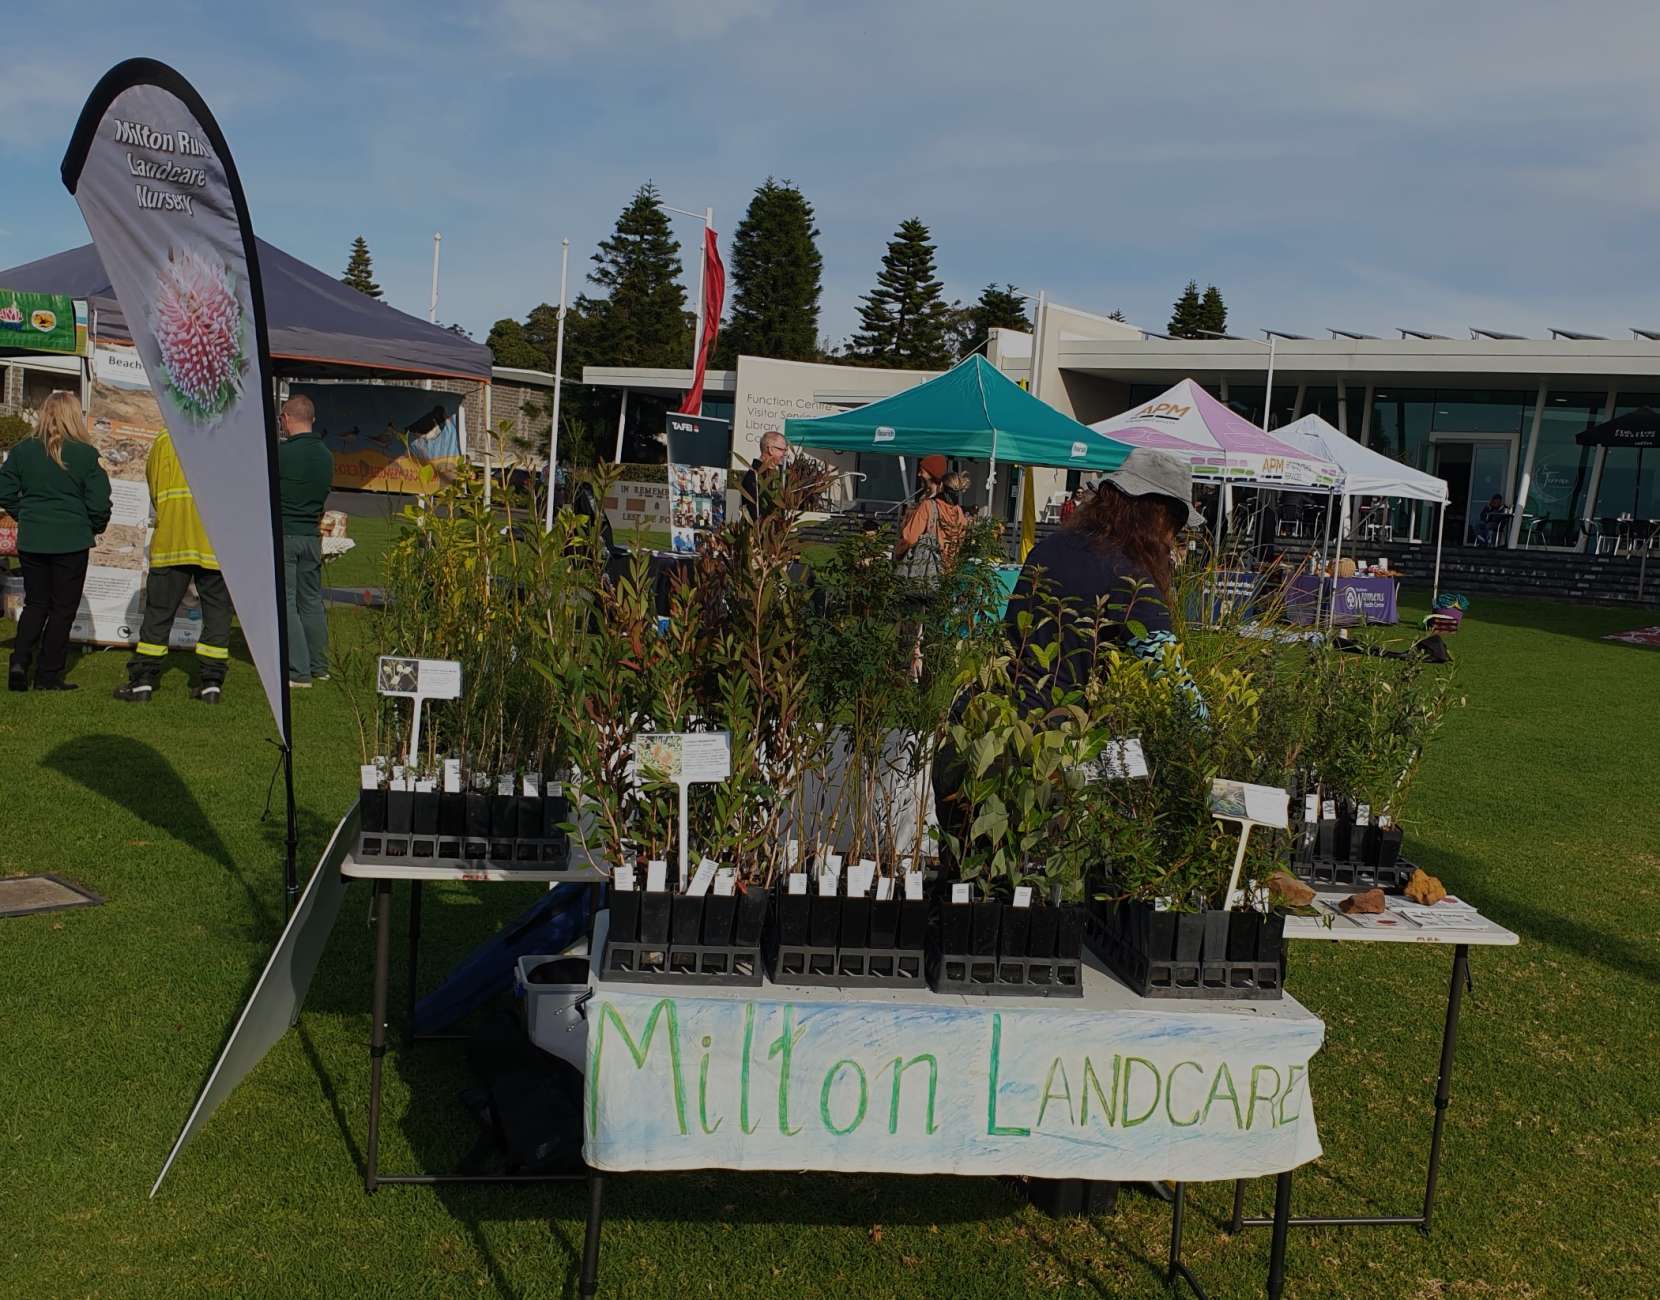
(699, 451)
(42, 322)
(386, 438)
(125, 422)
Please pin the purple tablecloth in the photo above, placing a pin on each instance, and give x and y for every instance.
(1357, 600)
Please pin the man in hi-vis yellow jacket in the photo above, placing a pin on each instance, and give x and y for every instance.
(180, 554)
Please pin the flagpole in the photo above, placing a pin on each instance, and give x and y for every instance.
(432, 304)
(558, 380)
(707, 217)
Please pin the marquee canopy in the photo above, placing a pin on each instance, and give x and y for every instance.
(1220, 445)
(972, 411)
(1365, 473)
(318, 326)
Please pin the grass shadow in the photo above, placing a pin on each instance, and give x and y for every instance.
(138, 779)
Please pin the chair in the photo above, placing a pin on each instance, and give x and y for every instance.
(1534, 524)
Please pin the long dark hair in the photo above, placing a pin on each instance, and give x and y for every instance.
(1143, 528)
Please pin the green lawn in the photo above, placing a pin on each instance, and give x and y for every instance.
(1538, 804)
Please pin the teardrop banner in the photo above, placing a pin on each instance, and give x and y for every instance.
(154, 179)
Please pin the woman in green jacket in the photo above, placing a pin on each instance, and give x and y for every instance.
(53, 485)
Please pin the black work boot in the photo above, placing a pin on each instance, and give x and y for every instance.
(208, 692)
(137, 691)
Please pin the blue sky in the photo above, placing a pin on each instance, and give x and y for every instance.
(1363, 165)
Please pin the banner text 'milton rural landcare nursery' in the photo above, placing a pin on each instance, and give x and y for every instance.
(693, 1082)
(161, 198)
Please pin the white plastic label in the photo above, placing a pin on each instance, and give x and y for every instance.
(1363, 815)
(702, 878)
(884, 889)
(1311, 808)
(826, 885)
(792, 855)
(368, 776)
(859, 878)
(504, 784)
(798, 882)
(452, 776)
(623, 878)
(913, 886)
(657, 876)
(555, 789)
(1328, 810)
(426, 785)
(959, 893)
(726, 880)
(1022, 895)
(531, 786)
(1385, 821)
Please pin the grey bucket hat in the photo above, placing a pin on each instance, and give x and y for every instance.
(1146, 472)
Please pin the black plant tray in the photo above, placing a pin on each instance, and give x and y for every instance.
(677, 939)
(984, 949)
(879, 944)
(428, 849)
(1331, 874)
(1218, 956)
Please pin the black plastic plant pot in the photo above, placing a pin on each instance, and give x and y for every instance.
(1069, 932)
(424, 814)
(794, 913)
(913, 923)
(504, 817)
(826, 925)
(1190, 937)
(1342, 840)
(1015, 931)
(987, 913)
(720, 911)
(1040, 932)
(625, 915)
(1244, 929)
(752, 918)
(529, 819)
(476, 815)
(1161, 934)
(654, 916)
(1215, 924)
(556, 815)
(400, 812)
(1389, 849)
(372, 804)
(956, 923)
(855, 929)
(1325, 839)
(452, 814)
(687, 924)
(1271, 938)
(884, 922)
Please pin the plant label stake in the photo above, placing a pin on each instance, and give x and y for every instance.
(687, 759)
(418, 680)
(1249, 805)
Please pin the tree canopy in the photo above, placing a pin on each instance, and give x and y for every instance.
(777, 278)
(360, 268)
(903, 320)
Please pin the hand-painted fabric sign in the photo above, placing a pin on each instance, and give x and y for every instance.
(797, 1079)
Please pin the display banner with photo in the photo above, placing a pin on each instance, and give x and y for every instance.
(155, 182)
(42, 322)
(814, 1079)
(700, 449)
(386, 438)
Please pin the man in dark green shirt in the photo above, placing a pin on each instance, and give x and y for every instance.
(305, 471)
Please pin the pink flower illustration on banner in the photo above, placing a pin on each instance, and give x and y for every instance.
(198, 326)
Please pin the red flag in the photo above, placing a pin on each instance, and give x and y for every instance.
(714, 297)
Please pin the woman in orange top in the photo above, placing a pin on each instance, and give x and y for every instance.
(933, 524)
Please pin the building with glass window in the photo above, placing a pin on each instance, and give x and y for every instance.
(1492, 416)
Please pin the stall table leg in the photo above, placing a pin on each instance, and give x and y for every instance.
(382, 912)
(1443, 1099)
(590, 1240)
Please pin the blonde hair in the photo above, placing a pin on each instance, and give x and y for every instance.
(60, 418)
